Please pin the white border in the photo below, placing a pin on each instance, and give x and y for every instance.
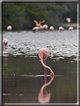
(77, 61)
(41, 0)
(40, 104)
(78, 53)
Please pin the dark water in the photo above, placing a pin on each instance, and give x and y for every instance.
(23, 74)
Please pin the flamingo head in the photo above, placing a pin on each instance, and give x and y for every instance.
(52, 75)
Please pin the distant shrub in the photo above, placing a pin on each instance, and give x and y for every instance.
(35, 12)
(54, 7)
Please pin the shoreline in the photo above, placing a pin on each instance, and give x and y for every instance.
(66, 25)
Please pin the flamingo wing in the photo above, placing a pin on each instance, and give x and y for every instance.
(40, 22)
(35, 21)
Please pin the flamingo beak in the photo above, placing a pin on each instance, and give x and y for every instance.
(49, 53)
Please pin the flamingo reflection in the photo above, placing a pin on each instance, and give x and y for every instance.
(44, 96)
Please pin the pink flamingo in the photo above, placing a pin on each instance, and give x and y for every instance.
(45, 26)
(61, 28)
(41, 27)
(70, 28)
(43, 53)
(44, 96)
(68, 20)
(51, 28)
(9, 27)
(38, 24)
(36, 28)
(5, 42)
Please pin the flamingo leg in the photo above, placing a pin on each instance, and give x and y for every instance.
(45, 71)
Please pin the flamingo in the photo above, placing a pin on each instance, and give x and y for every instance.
(61, 28)
(44, 96)
(43, 53)
(35, 28)
(38, 28)
(70, 28)
(51, 28)
(9, 27)
(5, 42)
(45, 26)
(38, 24)
(41, 27)
(68, 20)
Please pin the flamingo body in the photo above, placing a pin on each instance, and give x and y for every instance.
(44, 53)
(51, 28)
(9, 27)
(41, 27)
(45, 26)
(61, 28)
(35, 28)
(70, 28)
(68, 20)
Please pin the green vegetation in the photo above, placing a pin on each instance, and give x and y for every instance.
(54, 7)
(35, 13)
(21, 14)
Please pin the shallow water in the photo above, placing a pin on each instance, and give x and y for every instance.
(23, 79)
(23, 74)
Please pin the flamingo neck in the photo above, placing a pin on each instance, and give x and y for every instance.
(46, 66)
